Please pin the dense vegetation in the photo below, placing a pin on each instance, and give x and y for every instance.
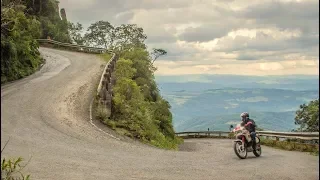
(308, 117)
(21, 23)
(138, 106)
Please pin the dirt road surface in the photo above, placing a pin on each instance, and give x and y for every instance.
(46, 117)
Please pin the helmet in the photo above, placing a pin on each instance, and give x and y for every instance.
(244, 115)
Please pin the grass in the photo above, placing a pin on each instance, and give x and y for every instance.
(105, 56)
(290, 145)
(11, 170)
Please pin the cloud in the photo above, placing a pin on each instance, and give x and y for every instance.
(285, 14)
(272, 39)
(251, 68)
(247, 57)
(245, 37)
(204, 33)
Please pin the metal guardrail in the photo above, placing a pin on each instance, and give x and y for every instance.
(74, 46)
(203, 134)
(291, 135)
(277, 135)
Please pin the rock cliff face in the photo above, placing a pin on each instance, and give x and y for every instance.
(63, 14)
(108, 80)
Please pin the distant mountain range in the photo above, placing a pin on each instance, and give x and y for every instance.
(218, 102)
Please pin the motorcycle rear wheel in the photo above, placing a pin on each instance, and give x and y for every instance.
(237, 150)
(257, 152)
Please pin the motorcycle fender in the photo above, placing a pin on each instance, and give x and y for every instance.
(237, 140)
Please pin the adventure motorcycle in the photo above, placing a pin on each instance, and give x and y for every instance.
(243, 143)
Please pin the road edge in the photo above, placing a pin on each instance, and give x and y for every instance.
(92, 100)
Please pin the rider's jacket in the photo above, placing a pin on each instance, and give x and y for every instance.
(249, 124)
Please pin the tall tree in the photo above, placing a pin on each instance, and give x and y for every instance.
(308, 116)
(128, 36)
(156, 53)
(100, 34)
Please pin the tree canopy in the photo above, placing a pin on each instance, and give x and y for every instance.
(19, 51)
(308, 117)
(75, 33)
(100, 34)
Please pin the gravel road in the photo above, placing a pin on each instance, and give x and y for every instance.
(46, 117)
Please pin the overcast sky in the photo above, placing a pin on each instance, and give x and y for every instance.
(246, 37)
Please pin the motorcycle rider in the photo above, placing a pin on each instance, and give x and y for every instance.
(250, 125)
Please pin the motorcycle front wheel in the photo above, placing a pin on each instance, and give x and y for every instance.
(240, 151)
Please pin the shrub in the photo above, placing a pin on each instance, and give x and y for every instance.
(102, 113)
(291, 145)
(11, 169)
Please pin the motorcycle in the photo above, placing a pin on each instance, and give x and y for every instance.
(243, 143)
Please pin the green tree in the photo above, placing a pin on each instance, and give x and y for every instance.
(75, 33)
(308, 117)
(163, 117)
(129, 36)
(100, 34)
(144, 75)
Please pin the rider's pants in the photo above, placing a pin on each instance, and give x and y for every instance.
(253, 136)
